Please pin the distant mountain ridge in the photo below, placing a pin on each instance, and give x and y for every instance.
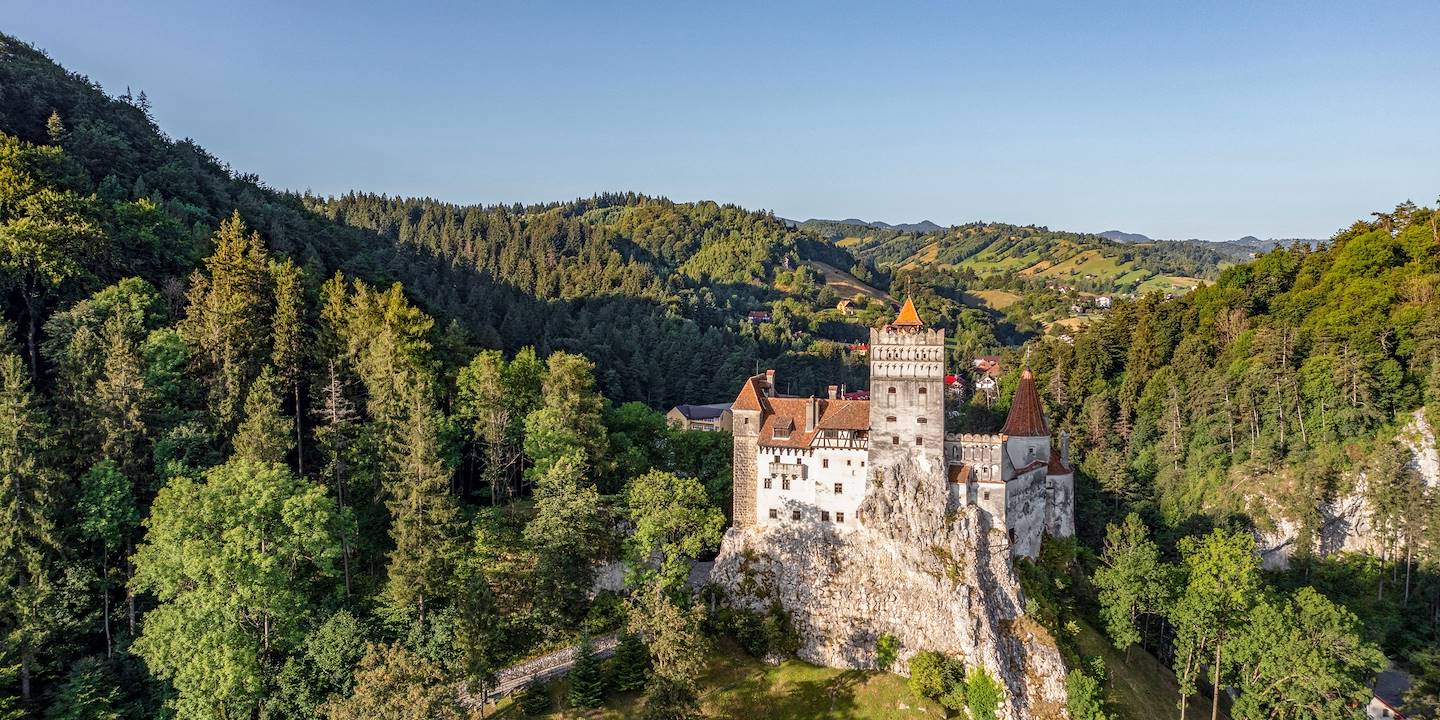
(1248, 243)
(924, 226)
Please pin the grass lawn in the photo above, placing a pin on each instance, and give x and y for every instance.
(1141, 688)
(996, 299)
(738, 686)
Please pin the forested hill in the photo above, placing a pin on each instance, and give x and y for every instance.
(655, 292)
(1086, 261)
(1258, 401)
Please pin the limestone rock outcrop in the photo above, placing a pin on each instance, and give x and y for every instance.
(936, 580)
(1346, 522)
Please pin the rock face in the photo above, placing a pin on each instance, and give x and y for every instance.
(1347, 525)
(934, 581)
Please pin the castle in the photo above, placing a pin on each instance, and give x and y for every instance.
(810, 459)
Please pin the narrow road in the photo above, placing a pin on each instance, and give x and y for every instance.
(544, 668)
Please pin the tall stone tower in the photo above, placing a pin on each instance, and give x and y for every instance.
(907, 395)
(748, 415)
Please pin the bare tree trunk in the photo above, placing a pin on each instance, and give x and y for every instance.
(1215, 691)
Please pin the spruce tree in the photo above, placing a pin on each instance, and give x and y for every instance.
(587, 681)
(29, 542)
(535, 699)
(425, 519)
(632, 663)
(265, 435)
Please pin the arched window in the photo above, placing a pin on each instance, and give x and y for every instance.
(922, 389)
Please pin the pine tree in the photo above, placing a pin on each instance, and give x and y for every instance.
(265, 435)
(535, 699)
(287, 337)
(225, 319)
(425, 519)
(29, 543)
(587, 681)
(54, 127)
(632, 663)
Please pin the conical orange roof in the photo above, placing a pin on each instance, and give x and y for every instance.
(908, 317)
(1027, 414)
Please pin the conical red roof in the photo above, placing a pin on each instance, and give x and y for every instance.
(1027, 415)
(908, 317)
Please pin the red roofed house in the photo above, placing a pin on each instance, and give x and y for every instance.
(809, 459)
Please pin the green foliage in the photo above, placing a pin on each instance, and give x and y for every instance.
(673, 519)
(587, 679)
(392, 682)
(89, 692)
(928, 674)
(1084, 696)
(566, 534)
(535, 699)
(323, 666)
(983, 694)
(1131, 580)
(233, 562)
(1303, 657)
(631, 663)
(887, 649)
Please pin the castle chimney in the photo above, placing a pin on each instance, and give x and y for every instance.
(770, 381)
(834, 392)
(812, 414)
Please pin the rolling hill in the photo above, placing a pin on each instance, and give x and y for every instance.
(1087, 261)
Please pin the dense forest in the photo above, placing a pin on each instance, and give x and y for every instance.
(1247, 409)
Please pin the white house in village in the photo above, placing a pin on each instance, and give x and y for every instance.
(809, 459)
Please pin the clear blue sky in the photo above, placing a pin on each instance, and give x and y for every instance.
(1166, 118)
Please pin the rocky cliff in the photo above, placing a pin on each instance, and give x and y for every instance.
(1346, 523)
(935, 580)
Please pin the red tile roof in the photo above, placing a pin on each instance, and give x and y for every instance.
(752, 395)
(1057, 466)
(788, 413)
(1027, 415)
(908, 317)
(961, 474)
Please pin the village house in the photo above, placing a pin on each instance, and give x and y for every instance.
(707, 418)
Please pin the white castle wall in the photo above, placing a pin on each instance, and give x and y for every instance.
(812, 488)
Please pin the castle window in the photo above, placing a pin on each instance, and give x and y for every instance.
(862, 463)
(919, 440)
(767, 483)
(987, 494)
(921, 421)
(794, 514)
(825, 463)
(922, 390)
(839, 488)
(890, 419)
(1012, 536)
(777, 458)
(785, 483)
(825, 515)
(839, 517)
(774, 514)
(847, 462)
(894, 439)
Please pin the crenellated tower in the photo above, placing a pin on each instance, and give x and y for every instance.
(907, 395)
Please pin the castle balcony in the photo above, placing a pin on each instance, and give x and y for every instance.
(794, 471)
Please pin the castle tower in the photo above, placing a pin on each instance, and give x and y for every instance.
(748, 411)
(907, 395)
(1026, 432)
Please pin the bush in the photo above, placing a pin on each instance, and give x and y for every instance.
(1085, 700)
(761, 635)
(984, 694)
(534, 700)
(927, 674)
(887, 647)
